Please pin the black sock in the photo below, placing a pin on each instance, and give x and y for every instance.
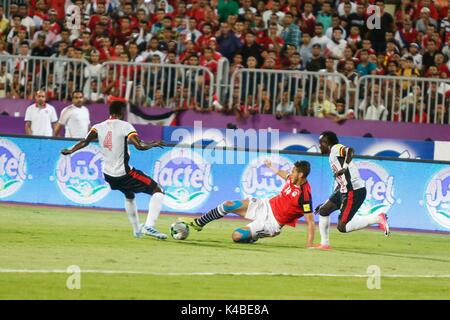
(212, 215)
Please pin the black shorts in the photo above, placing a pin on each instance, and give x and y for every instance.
(349, 203)
(135, 181)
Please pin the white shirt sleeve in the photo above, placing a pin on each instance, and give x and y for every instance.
(128, 128)
(28, 114)
(64, 117)
(53, 116)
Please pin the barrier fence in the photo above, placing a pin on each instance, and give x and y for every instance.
(403, 99)
(286, 92)
(247, 91)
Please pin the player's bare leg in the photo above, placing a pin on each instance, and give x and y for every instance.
(324, 212)
(244, 235)
(237, 206)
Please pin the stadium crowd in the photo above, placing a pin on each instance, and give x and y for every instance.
(312, 35)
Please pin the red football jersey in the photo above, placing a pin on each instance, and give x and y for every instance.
(292, 203)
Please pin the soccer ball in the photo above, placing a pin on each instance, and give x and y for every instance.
(179, 230)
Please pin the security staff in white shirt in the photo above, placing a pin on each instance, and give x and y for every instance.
(74, 118)
(40, 117)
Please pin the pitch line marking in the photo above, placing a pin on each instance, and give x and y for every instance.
(223, 273)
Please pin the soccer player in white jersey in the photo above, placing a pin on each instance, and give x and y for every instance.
(113, 136)
(74, 118)
(349, 194)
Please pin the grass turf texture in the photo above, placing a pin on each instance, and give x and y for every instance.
(55, 238)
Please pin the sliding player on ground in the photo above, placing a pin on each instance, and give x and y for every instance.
(269, 216)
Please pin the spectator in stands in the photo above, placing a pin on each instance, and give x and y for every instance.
(4, 24)
(429, 55)
(40, 117)
(335, 48)
(228, 43)
(251, 49)
(335, 23)
(305, 49)
(94, 94)
(286, 106)
(324, 17)
(377, 35)
(5, 81)
(406, 35)
(317, 61)
(341, 113)
(425, 20)
(41, 49)
(322, 106)
(365, 67)
(26, 21)
(319, 36)
(372, 107)
(358, 19)
(291, 31)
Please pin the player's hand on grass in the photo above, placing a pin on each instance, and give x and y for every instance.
(66, 152)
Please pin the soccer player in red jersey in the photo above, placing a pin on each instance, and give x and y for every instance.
(269, 216)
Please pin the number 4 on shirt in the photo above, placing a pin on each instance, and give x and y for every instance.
(107, 143)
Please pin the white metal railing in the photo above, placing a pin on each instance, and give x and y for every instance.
(403, 99)
(23, 75)
(388, 98)
(307, 93)
(162, 85)
(223, 78)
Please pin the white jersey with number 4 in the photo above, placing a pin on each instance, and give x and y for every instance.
(113, 137)
(350, 180)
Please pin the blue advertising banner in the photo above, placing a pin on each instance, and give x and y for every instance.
(414, 194)
(300, 142)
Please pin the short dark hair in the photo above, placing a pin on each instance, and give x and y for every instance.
(330, 136)
(116, 107)
(304, 167)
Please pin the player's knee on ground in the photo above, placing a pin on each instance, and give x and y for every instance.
(242, 235)
(231, 206)
(341, 227)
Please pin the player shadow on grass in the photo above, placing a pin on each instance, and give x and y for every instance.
(221, 244)
(393, 255)
(261, 247)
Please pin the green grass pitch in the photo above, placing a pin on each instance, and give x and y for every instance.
(45, 239)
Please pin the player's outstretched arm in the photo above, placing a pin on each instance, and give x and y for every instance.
(142, 145)
(311, 227)
(81, 144)
(282, 173)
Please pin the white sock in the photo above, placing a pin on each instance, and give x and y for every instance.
(324, 228)
(130, 208)
(360, 222)
(154, 208)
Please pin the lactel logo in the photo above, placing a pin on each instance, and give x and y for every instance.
(185, 177)
(13, 168)
(380, 188)
(79, 176)
(437, 198)
(258, 181)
